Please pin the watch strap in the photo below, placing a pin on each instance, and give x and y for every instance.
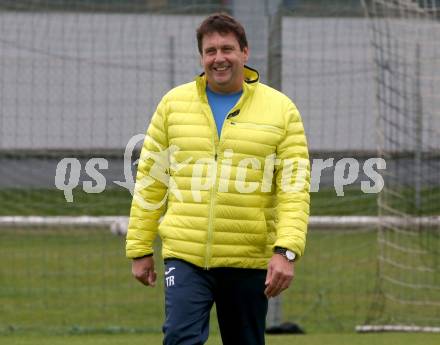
(289, 255)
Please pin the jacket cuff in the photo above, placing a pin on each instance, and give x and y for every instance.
(143, 256)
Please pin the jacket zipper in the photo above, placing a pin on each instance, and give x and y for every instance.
(212, 203)
(214, 188)
(208, 252)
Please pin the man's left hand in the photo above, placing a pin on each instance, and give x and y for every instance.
(280, 273)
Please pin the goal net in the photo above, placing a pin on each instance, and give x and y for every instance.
(406, 40)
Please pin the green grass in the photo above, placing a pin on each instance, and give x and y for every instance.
(78, 281)
(353, 202)
(115, 201)
(71, 280)
(153, 339)
(51, 202)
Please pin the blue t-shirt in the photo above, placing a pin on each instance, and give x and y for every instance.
(220, 105)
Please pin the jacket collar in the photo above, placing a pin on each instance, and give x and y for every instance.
(251, 79)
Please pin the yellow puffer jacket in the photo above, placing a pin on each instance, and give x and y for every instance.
(226, 201)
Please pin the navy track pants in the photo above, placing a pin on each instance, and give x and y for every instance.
(190, 293)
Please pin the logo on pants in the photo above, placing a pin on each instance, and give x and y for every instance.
(169, 281)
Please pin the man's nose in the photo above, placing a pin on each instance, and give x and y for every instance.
(219, 57)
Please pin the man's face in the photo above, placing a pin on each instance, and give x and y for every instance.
(223, 62)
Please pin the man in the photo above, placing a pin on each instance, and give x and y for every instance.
(225, 162)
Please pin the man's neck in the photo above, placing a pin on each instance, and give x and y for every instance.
(224, 92)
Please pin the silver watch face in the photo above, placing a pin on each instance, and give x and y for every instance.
(290, 255)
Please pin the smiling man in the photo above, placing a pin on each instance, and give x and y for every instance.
(232, 246)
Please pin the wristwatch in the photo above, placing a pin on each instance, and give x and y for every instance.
(288, 254)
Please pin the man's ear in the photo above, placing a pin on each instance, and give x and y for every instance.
(246, 53)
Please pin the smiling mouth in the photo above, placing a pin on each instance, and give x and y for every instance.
(221, 68)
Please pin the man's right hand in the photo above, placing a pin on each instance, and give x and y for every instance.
(143, 270)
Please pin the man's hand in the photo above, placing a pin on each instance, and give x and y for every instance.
(280, 273)
(143, 270)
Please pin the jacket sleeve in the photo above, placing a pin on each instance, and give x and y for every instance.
(150, 191)
(292, 178)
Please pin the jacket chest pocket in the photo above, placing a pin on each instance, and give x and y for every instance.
(258, 140)
(257, 127)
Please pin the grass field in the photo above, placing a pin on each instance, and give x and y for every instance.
(78, 281)
(115, 201)
(156, 339)
(74, 286)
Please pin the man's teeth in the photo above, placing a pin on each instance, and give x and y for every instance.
(221, 68)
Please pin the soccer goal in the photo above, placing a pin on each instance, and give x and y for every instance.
(405, 35)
